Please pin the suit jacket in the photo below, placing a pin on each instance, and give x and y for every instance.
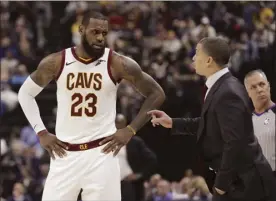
(227, 142)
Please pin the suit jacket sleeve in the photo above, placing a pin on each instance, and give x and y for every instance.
(230, 115)
(185, 126)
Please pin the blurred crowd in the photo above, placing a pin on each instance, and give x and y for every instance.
(160, 36)
(190, 187)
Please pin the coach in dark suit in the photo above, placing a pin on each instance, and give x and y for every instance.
(224, 131)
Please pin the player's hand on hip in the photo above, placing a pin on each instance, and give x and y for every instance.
(160, 118)
(50, 142)
(116, 141)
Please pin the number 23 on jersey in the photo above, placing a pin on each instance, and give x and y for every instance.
(84, 105)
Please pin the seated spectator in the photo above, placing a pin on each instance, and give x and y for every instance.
(200, 190)
(4, 147)
(163, 192)
(204, 29)
(8, 97)
(19, 76)
(18, 193)
(9, 62)
(151, 186)
(29, 137)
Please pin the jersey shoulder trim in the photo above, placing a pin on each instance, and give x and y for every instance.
(61, 65)
(109, 67)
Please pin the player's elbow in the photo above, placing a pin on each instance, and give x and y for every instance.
(160, 95)
(20, 95)
(23, 99)
(28, 91)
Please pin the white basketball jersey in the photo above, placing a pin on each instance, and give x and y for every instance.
(86, 97)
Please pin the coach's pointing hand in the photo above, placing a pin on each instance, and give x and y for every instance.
(50, 142)
(117, 140)
(160, 118)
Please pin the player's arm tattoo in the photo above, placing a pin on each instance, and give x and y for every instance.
(47, 69)
(145, 84)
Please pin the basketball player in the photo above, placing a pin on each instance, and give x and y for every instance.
(87, 78)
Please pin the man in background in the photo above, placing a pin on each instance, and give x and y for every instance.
(137, 163)
(264, 121)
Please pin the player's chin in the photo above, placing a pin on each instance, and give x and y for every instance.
(98, 51)
(98, 47)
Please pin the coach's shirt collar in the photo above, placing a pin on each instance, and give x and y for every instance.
(213, 78)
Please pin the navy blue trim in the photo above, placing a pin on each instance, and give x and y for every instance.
(273, 108)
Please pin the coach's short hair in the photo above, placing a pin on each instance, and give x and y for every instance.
(217, 48)
(92, 14)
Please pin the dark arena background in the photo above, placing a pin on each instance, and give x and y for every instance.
(161, 37)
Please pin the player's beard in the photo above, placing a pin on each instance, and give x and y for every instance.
(90, 50)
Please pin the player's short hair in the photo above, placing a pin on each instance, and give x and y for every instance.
(217, 48)
(92, 14)
(250, 73)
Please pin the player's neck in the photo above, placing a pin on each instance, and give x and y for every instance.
(80, 52)
(261, 108)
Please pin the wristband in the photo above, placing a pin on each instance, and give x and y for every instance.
(131, 129)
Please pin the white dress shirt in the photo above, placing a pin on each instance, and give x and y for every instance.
(213, 78)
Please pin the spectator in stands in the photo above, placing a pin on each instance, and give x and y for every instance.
(159, 68)
(36, 187)
(189, 173)
(29, 137)
(9, 99)
(201, 191)
(19, 76)
(3, 147)
(151, 186)
(172, 44)
(204, 29)
(14, 159)
(9, 62)
(19, 193)
(163, 192)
